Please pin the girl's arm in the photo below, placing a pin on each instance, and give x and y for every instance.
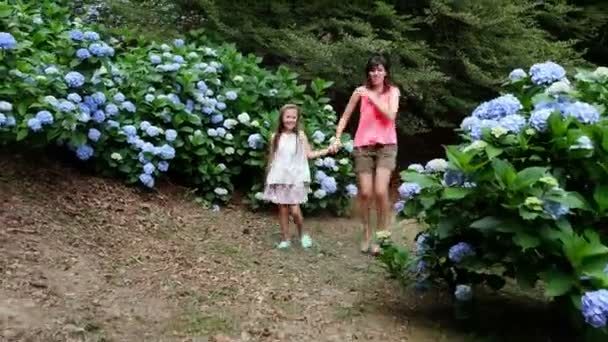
(270, 153)
(310, 154)
(388, 109)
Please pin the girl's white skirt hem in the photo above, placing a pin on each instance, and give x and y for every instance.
(286, 193)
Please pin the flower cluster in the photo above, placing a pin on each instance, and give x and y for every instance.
(460, 251)
(595, 308)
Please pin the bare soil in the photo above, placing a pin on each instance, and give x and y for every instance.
(84, 258)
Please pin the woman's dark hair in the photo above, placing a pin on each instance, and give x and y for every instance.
(372, 63)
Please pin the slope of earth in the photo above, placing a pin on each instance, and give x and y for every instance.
(84, 258)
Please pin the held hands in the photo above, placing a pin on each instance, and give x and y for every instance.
(334, 147)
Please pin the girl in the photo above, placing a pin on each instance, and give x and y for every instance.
(375, 143)
(288, 175)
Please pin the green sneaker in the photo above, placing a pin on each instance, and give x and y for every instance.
(284, 245)
(306, 241)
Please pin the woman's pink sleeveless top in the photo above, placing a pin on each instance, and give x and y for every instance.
(375, 128)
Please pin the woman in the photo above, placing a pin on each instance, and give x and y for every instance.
(375, 143)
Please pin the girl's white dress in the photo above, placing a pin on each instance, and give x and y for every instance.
(288, 180)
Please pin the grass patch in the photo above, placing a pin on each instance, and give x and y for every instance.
(208, 324)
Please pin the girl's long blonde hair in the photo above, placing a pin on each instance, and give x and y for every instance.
(281, 126)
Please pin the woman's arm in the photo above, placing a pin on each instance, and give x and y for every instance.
(310, 154)
(348, 111)
(389, 109)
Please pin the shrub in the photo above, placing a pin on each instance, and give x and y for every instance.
(523, 196)
(202, 111)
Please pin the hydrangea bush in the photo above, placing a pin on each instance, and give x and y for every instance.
(198, 110)
(524, 195)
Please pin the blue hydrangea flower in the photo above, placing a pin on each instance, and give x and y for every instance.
(320, 176)
(76, 35)
(178, 59)
(119, 98)
(85, 108)
(220, 106)
(546, 73)
(318, 137)
(476, 131)
(84, 152)
(178, 42)
(167, 152)
(112, 124)
(98, 49)
(74, 98)
(83, 54)
(398, 206)
(84, 117)
(231, 95)
(163, 166)
(469, 122)
(149, 97)
(99, 116)
(74, 79)
(255, 141)
(174, 98)
(217, 118)
(129, 130)
(555, 209)
(538, 119)
(10, 121)
(149, 148)
(498, 108)
(99, 98)
(2, 119)
(212, 132)
(111, 109)
(453, 178)
(152, 131)
(202, 86)
(422, 243)
(463, 293)
(207, 110)
(460, 251)
(351, 190)
(517, 74)
(328, 162)
(146, 180)
(7, 41)
(51, 70)
(582, 143)
(44, 117)
(144, 125)
(513, 123)
(170, 67)
(66, 106)
(155, 59)
(583, 112)
(90, 102)
(329, 185)
(409, 190)
(128, 106)
(94, 134)
(221, 131)
(594, 307)
(34, 124)
(90, 35)
(149, 168)
(416, 167)
(170, 135)
(189, 105)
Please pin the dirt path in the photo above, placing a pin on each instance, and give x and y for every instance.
(87, 259)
